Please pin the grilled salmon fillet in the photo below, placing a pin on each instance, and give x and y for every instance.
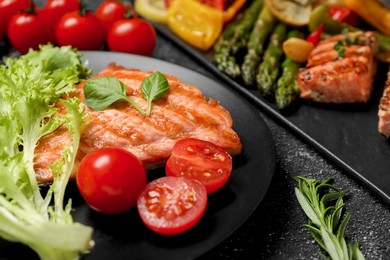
(384, 109)
(182, 112)
(328, 78)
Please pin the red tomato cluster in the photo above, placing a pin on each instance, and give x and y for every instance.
(112, 180)
(69, 22)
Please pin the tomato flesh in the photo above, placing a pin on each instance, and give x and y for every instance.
(202, 161)
(172, 205)
(110, 180)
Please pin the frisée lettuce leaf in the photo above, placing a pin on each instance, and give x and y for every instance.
(29, 88)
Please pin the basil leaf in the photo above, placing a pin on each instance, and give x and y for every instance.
(102, 92)
(153, 87)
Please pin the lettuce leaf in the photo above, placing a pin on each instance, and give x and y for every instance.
(29, 88)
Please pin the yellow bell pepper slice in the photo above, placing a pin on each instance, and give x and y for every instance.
(195, 23)
(373, 11)
(154, 10)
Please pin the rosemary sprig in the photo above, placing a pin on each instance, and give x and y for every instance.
(323, 205)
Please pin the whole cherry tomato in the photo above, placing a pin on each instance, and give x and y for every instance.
(110, 180)
(55, 9)
(135, 36)
(7, 9)
(171, 205)
(202, 161)
(82, 30)
(29, 29)
(110, 11)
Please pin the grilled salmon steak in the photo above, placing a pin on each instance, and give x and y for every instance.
(384, 109)
(340, 76)
(182, 112)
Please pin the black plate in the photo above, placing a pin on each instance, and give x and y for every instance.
(125, 237)
(347, 134)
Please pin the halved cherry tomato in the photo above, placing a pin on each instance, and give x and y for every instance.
(82, 30)
(110, 11)
(110, 180)
(29, 29)
(202, 161)
(132, 36)
(172, 205)
(7, 9)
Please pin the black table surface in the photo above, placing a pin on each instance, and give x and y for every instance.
(276, 228)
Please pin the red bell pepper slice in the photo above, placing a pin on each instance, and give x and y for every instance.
(315, 36)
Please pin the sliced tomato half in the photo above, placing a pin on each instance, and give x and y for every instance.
(172, 205)
(202, 161)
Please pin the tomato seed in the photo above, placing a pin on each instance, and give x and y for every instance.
(207, 174)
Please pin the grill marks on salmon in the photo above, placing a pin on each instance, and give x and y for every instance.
(182, 112)
(328, 78)
(384, 109)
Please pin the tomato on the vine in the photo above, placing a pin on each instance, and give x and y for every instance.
(171, 205)
(110, 180)
(29, 29)
(80, 29)
(202, 161)
(7, 9)
(135, 36)
(55, 9)
(110, 11)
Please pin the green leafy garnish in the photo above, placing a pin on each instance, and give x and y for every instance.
(340, 48)
(353, 39)
(29, 88)
(153, 87)
(102, 92)
(323, 205)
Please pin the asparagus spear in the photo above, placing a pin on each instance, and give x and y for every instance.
(287, 86)
(261, 30)
(226, 49)
(269, 69)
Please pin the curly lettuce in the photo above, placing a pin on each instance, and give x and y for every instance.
(29, 88)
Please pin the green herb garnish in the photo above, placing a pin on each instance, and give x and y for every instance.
(348, 41)
(153, 87)
(340, 48)
(323, 205)
(102, 92)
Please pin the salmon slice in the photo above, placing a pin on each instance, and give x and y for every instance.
(384, 109)
(182, 112)
(329, 78)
